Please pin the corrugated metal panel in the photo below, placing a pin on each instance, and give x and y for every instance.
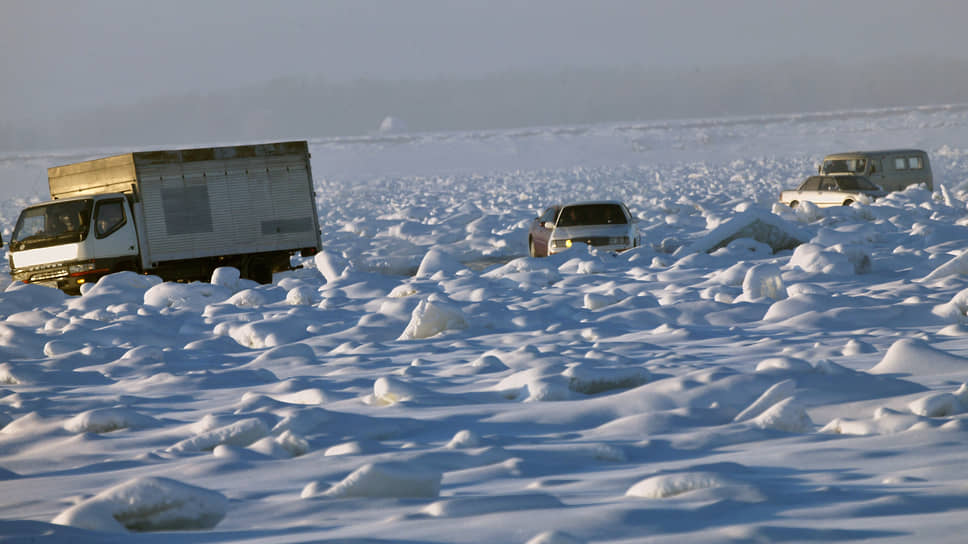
(108, 175)
(261, 201)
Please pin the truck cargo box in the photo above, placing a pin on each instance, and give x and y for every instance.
(210, 201)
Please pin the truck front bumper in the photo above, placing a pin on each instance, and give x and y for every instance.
(66, 276)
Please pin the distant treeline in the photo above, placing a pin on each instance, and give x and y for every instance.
(309, 107)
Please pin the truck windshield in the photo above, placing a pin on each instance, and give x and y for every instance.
(844, 166)
(52, 224)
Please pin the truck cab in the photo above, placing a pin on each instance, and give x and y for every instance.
(68, 242)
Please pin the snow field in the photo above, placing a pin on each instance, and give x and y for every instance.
(751, 372)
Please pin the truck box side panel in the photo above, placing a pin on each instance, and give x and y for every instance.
(243, 203)
(108, 175)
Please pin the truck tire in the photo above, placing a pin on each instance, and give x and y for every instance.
(257, 269)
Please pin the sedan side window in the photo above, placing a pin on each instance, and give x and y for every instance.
(812, 184)
(108, 217)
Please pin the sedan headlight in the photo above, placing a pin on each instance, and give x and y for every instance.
(559, 244)
(618, 240)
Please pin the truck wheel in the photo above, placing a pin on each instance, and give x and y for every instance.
(258, 269)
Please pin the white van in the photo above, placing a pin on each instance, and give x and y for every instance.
(892, 169)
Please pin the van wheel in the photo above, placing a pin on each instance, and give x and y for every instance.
(848, 202)
(794, 204)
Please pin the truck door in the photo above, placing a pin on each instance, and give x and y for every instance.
(113, 230)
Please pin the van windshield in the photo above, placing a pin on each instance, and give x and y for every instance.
(844, 166)
(52, 224)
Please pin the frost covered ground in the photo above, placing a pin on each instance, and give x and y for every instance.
(424, 381)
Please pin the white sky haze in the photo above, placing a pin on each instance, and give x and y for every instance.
(61, 55)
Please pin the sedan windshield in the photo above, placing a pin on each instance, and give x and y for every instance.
(51, 224)
(592, 214)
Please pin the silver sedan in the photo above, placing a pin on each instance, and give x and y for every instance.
(605, 224)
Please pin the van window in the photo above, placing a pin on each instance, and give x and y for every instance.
(900, 163)
(914, 163)
(841, 166)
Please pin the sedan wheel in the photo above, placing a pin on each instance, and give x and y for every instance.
(531, 249)
(848, 202)
(794, 204)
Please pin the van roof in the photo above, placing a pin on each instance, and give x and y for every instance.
(876, 153)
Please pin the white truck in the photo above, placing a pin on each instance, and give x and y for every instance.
(178, 214)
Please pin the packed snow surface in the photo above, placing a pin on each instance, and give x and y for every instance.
(751, 373)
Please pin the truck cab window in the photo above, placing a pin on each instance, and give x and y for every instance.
(108, 217)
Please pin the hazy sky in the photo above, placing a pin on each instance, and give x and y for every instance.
(61, 55)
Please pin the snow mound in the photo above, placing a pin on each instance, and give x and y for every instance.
(817, 259)
(437, 263)
(555, 537)
(185, 296)
(240, 433)
(941, 404)
(123, 286)
(956, 309)
(783, 364)
(388, 391)
(432, 316)
(148, 504)
(885, 421)
(763, 281)
(590, 378)
(956, 266)
(226, 276)
(376, 480)
(532, 385)
(916, 357)
(597, 301)
(331, 266)
(464, 439)
(758, 225)
(771, 396)
(788, 415)
(302, 295)
(286, 445)
(477, 506)
(670, 485)
(105, 420)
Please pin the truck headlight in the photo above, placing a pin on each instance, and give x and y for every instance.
(81, 267)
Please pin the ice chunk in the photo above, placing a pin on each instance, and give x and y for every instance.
(148, 504)
(382, 480)
(433, 316)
